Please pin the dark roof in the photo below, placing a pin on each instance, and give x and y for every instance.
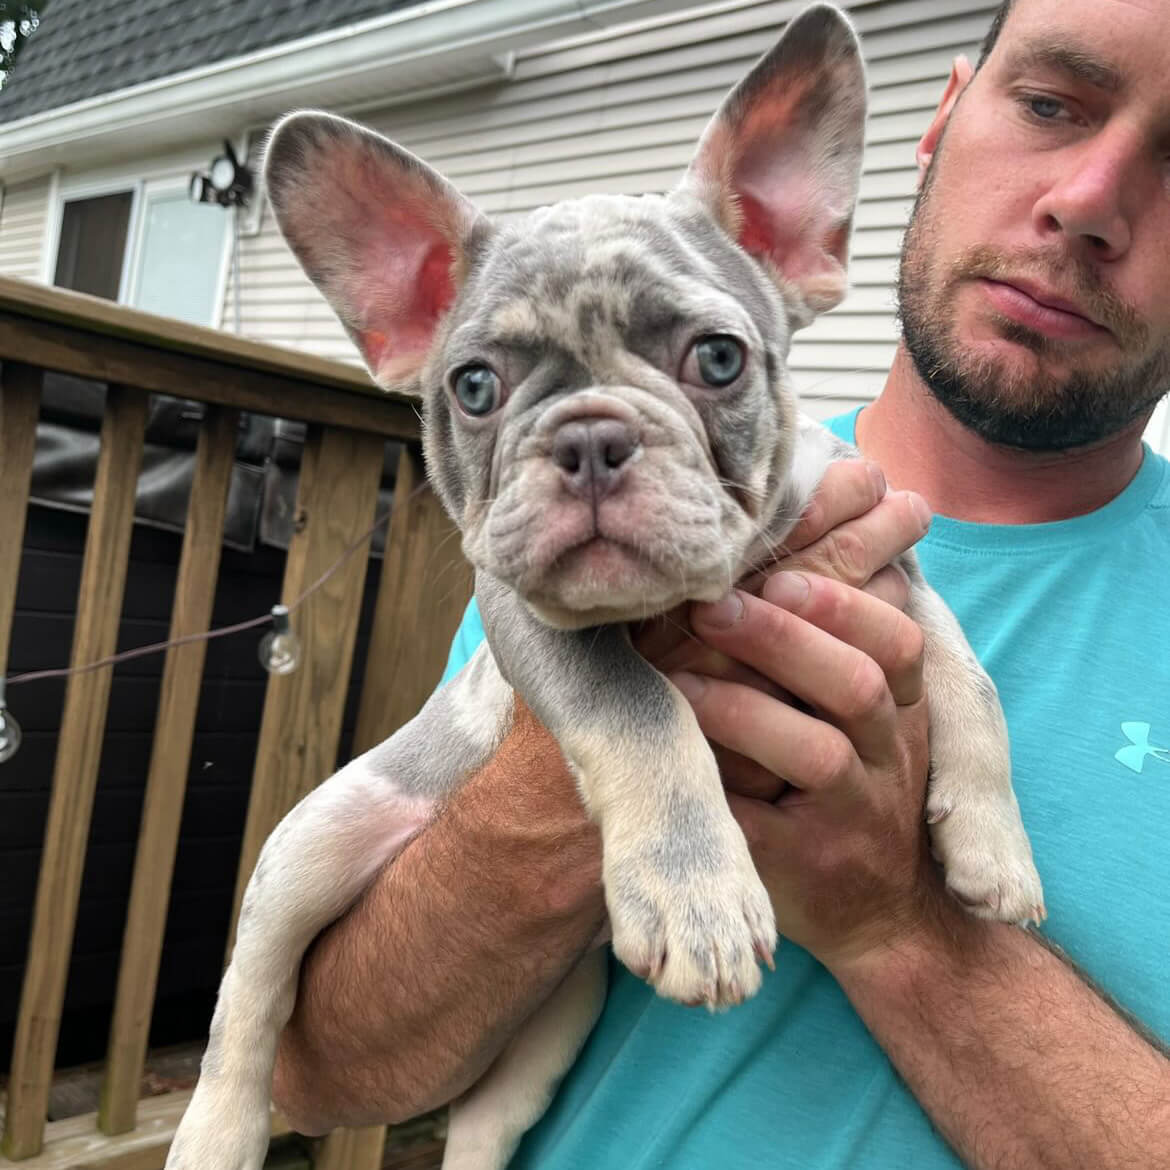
(84, 48)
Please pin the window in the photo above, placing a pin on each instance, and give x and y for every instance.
(93, 243)
(158, 252)
(176, 271)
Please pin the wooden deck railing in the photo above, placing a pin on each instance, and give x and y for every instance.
(349, 421)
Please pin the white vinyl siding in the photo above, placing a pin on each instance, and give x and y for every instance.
(621, 112)
(23, 212)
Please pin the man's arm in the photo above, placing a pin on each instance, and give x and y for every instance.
(1020, 1063)
(406, 1001)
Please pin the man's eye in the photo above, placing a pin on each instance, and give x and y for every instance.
(1048, 109)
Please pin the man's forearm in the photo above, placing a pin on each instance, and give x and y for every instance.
(1017, 1060)
(407, 1000)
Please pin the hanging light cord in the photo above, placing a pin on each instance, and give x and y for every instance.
(221, 632)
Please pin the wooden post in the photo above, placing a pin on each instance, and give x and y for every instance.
(301, 724)
(422, 593)
(166, 782)
(351, 1149)
(20, 400)
(99, 606)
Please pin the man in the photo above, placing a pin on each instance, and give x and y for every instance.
(1036, 344)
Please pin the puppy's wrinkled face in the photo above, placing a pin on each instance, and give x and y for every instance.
(608, 407)
(607, 412)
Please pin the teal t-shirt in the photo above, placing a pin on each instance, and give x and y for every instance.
(1072, 621)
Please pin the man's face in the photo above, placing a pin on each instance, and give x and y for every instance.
(1035, 281)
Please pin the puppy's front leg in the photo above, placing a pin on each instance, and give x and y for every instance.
(688, 911)
(975, 825)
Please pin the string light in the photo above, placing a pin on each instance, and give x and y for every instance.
(9, 730)
(279, 652)
(280, 648)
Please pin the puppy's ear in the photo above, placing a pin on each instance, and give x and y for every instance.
(382, 235)
(780, 163)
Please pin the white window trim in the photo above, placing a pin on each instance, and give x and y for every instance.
(52, 229)
(225, 270)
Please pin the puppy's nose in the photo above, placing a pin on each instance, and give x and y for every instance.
(593, 454)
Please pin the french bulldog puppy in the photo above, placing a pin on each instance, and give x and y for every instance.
(610, 421)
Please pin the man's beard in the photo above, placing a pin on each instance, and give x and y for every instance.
(1041, 412)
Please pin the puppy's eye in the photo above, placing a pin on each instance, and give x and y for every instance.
(478, 390)
(718, 358)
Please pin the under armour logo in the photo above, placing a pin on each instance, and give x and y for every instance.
(1134, 757)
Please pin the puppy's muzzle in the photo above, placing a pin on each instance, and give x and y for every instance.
(593, 455)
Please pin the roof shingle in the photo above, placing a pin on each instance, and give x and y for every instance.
(85, 48)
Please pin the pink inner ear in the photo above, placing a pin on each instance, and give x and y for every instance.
(786, 236)
(757, 232)
(787, 222)
(403, 287)
(413, 289)
(776, 165)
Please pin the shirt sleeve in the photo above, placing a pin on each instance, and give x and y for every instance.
(465, 643)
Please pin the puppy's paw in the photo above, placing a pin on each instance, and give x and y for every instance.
(220, 1131)
(986, 856)
(697, 939)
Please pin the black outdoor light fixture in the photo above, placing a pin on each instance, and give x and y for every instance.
(227, 182)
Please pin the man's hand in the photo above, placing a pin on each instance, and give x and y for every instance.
(812, 696)
(851, 531)
(832, 791)
(820, 726)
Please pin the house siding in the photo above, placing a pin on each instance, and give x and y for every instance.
(621, 113)
(24, 209)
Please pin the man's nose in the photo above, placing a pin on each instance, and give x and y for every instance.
(593, 455)
(1092, 200)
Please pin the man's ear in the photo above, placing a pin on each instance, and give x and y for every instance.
(380, 233)
(780, 163)
(961, 74)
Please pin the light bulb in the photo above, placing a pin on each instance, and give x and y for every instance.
(280, 648)
(223, 173)
(9, 731)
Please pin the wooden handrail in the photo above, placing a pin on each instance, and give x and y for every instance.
(96, 315)
(93, 338)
